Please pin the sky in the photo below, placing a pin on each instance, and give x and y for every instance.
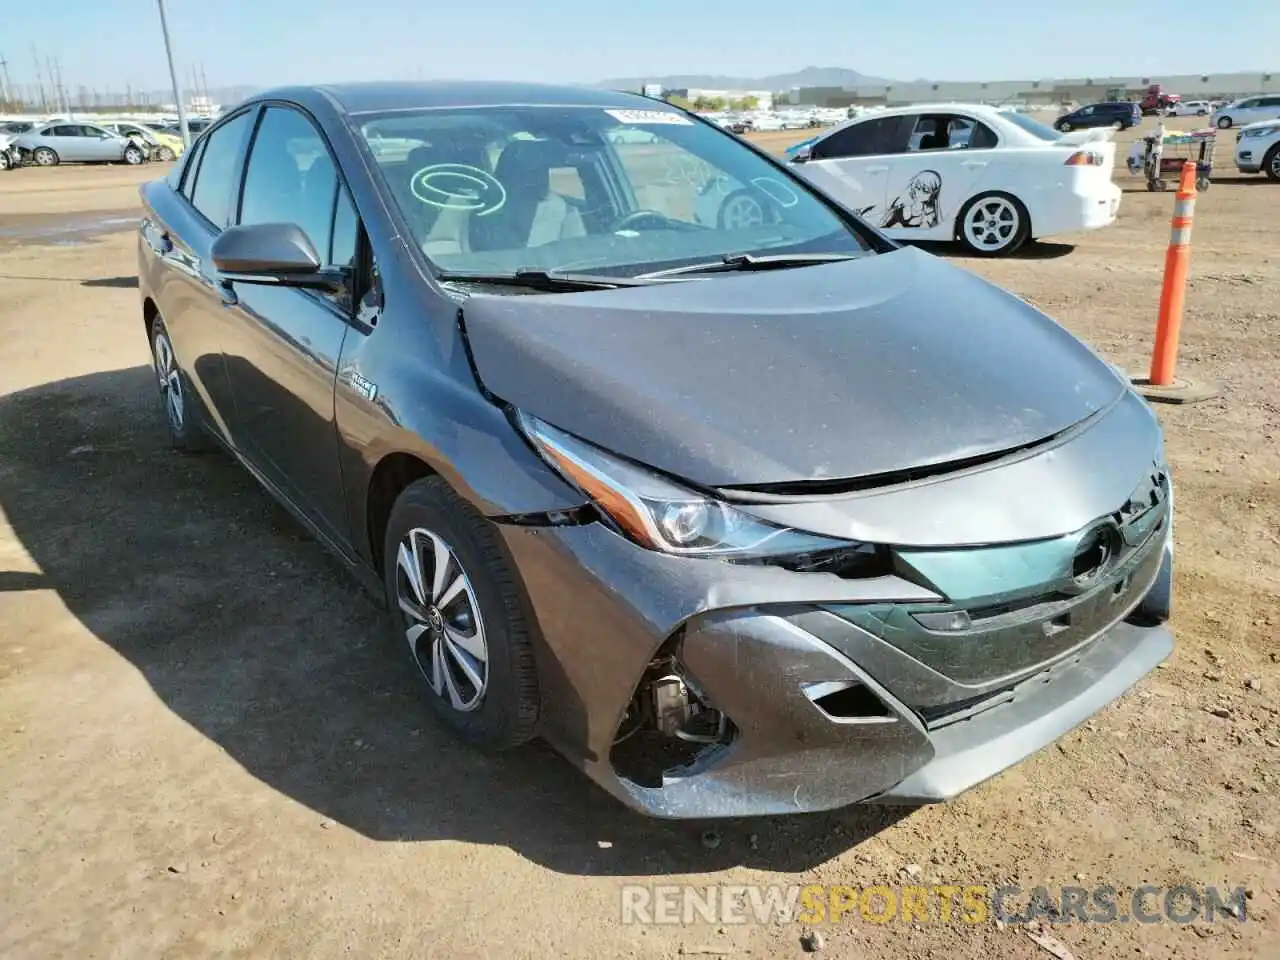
(108, 44)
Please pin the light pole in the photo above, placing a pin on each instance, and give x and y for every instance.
(173, 76)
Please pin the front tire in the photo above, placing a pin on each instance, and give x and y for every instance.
(179, 402)
(45, 157)
(133, 155)
(459, 608)
(1064, 127)
(1271, 163)
(994, 224)
(4, 160)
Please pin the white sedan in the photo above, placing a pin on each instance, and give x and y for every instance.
(990, 177)
(1190, 108)
(1258, 149)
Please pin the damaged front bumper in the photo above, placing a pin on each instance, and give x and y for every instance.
(791, 697)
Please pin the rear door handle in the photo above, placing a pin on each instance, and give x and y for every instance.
(876, 169)
(974, 163)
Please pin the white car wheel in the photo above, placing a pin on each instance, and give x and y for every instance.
(1224, 123)
(45, 157)
(993, 224)
(740, 211)
(132, 155)
(4, 160)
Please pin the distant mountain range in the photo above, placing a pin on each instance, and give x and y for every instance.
(808, 77)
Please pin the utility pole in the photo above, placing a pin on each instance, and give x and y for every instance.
(173, 75)
(66, 97)
(6, 91)
(55, 82)
(204, 84)
(44, 104)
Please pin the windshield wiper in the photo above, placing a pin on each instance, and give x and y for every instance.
(750, 261)
(544, 280)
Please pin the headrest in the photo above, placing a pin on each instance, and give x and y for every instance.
(525, 166)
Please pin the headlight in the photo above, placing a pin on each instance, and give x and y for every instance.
(664, 516)
(1261, 131)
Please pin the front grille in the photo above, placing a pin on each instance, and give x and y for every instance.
(982, 642)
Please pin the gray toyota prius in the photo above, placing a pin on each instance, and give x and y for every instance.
(655, 451)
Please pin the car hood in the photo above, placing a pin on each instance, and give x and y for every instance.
(845, 370)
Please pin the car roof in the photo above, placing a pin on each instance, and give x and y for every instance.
(977, 109)
(380, 96)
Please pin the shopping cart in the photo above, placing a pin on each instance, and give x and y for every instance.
(1160, 159)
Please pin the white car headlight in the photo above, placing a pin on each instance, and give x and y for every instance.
(662, 515)
(1260, 131)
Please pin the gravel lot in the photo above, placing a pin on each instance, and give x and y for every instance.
(207, 746)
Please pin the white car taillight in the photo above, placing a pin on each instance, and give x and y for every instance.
(1084, 158)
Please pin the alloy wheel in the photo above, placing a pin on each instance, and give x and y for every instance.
(741, 212)
(132, 156)
(1273, 165)
(992, 224)
(441, 619)
(46, 157)
(170, 381)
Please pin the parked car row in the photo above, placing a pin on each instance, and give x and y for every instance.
(51, 143)
(56, 140)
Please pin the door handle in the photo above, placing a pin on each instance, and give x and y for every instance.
(974, 163)
(875, 169)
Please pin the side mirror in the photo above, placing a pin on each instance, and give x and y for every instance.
(276, 254)
(803, 155)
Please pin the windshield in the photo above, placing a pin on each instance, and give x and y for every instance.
(576, 189)
(1033, 127)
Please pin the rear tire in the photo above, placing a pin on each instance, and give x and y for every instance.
(1224, 123)
(4, 160)
(993, 224)
(472, 651)
(164, 154)
(45, 157)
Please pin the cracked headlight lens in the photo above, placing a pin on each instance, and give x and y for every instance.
(662, 515)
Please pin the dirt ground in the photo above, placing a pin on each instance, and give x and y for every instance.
(207, 746)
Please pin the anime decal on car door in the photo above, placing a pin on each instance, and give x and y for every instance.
(917, 206)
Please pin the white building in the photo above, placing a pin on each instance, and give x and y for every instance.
(1052, 91)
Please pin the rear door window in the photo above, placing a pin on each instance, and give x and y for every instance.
(219, 172)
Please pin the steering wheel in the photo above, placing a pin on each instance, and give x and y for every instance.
(641, 219)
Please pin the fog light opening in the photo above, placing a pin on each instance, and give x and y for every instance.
(670, 726)
(847, 701)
